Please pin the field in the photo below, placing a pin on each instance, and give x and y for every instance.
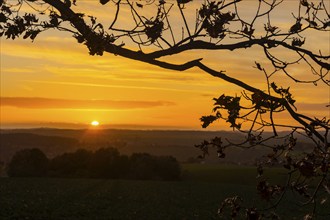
(197, 196)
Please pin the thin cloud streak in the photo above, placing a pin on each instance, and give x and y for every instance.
(50, 103)
(313, 107)
(108, 86)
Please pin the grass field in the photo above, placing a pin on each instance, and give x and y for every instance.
(197, 196)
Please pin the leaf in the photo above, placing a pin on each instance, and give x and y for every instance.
(296, 27)
(304, 3)
(183, 1)
(270, 28)
(297, 42)
(274, 86)
(34, 34)
(207, 120)
(312, 24)
(326, 24)
(139, 5)
(258, 65)
(30, 18)
(27, 34)
(93, 20)
(103, 2)
(248, 30)
(155, 30)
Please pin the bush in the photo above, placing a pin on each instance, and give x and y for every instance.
(71, 164)
(108, 163)
(145, 166)
(168, 168)
(28, 163)
(142, 166)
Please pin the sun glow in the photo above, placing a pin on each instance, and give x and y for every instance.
(95, 123)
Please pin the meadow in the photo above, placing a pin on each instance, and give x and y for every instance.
(197, 196)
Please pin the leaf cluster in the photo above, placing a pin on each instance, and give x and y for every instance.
(230, 104)
(97, 40)
(214, 20)
(18, 25)
(154, 28)
(285, 93)
(214, 142)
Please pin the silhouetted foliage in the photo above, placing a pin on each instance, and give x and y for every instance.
(105, 163)
(168, 168)
(28, 163)
(71, 164)
(145, 166)
(142, 166)
(108, 163)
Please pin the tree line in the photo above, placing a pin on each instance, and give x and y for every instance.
(103, 163)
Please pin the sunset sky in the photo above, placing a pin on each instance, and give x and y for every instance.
(54, 82)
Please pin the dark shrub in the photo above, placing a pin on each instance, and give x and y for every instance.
(168, 168)
(108, 163)
(142, 166)
(145, 166)
(71, 164)
(28, 163)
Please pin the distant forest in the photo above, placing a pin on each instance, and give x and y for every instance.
(103, 163)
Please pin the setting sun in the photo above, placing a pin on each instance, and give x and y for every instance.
(95, 123)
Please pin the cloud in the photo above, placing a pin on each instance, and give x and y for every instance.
(50, 103)
(110, 86)
(313, 107)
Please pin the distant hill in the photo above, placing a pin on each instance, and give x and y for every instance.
(51, 145)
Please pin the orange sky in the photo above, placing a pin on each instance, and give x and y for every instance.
(54, 82)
